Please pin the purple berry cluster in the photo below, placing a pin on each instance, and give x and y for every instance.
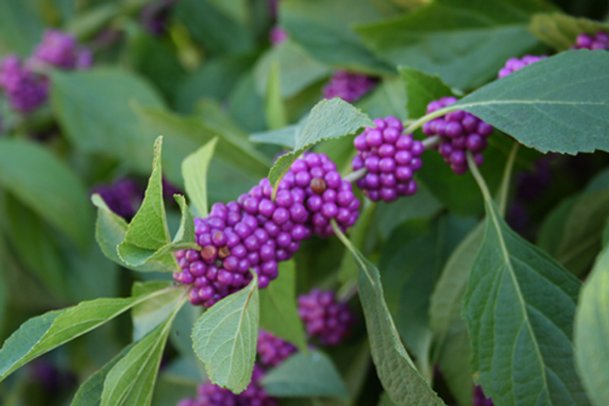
(25, 90)
(325, 318)
(272, 350)
(390, 159)
(314, 182)
(209, 394)
(61, 50)
(459, 132)
(348, 86)
(257, 232)
(598, 41)
(123, 197)
(514, 64)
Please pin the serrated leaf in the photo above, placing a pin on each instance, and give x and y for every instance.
(131, 380)
(421, 88)
(90, 391)
(464, 42)
(558, 104)
(38, 179)
(224, 338)
(329, 119)
(147, 315)
(592, 332)
(305, 374)
(278, 311)
(572, 232)
(521, 339)
(194, 171)
(186, 230)
(147, 240)
(561, 30)
(396, 371)
(43, 333)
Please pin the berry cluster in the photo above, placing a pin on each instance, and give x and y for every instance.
(514, 64)
(62, 51)
(272, 350)
(597, 41)
(123, 197)
(459, 132)
(256, 232)
(348, 86)
(325, 317)
(25, 88)
(213, 395)
(390, 159)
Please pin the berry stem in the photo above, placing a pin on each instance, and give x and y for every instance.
(431, 142)
(428, 117)
(356, 175)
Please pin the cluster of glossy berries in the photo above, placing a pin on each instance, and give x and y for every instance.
(258, 231)
(25, 88)
(325, 317)
(514, 64)
(390, 159)
(348, 86)
(597, 41)
(272, 350)
(209, 394)
(459, 132)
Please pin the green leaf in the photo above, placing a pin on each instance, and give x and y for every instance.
(592, 332)
(131, 380)
(278, 311)
(21, 26)
(149, 314)
(329, 119)
(410, 248)
(43, 333)
(147, 237)
(454, 359)
(297, 69)
(194, 171)
(521, 339)
(46, 185)
(558, 104)
(94, 109)
(305, 374)
(230, 147)
(464, 42)
(284, 137)
(276, 116)
(396, 371)
(110, 229)
(186, 230)
(561, 30)
(421, 88)
(572, 232)
(325, 31)
(225, 336)
(89, 393)
(387, 99)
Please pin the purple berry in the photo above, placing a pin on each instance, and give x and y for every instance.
(514, 64)
(277, 35)
(597, 41)
(325, 318)
(62, 51)
(460, 132)
(272, 350)
(390, 159)
(25, 90)
(123, 197)
(348, 86)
